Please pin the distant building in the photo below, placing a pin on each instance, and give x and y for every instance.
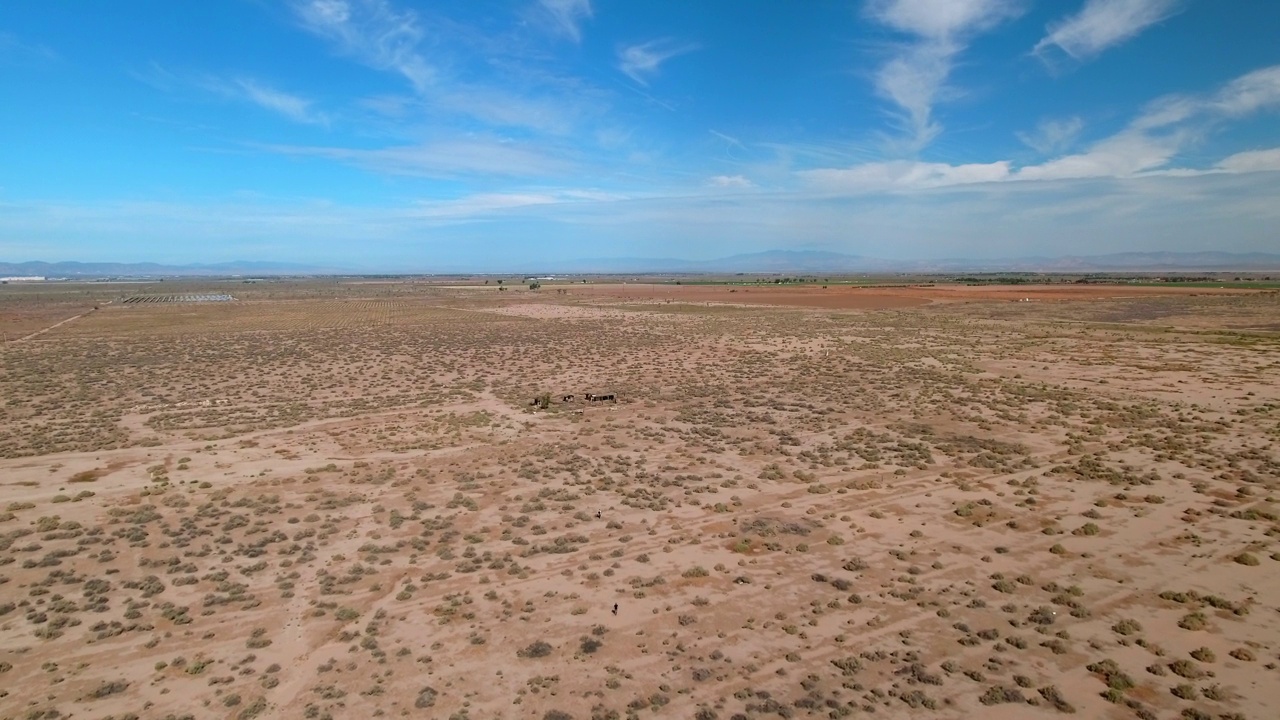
(22, 278)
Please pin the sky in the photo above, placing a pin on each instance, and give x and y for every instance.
(401, 135)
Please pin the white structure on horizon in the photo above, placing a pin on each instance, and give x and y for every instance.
(22, 278)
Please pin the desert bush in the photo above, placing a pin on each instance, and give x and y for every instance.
(918, 698)
(1111, 674)
(107, 689)
(1054, 697)
(1204, 654)
(1043, 615)
(1215, 692)
(426, 698)
(1000, 694)
(538, 649)
(1193, 621)
(1127, 627)
(848, 666)
(258, 639)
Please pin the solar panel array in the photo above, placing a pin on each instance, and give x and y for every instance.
(189, 298)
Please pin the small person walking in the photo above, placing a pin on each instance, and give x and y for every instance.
(597, 514)
(615, 608)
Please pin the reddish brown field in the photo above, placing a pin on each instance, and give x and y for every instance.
(846, 297)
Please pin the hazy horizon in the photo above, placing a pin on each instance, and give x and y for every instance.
(768, 263)
(383, 133)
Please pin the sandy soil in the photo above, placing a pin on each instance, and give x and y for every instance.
(339, 502)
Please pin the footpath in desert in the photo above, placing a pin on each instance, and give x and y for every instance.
(326, 500)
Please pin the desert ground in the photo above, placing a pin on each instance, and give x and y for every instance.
(333, 499)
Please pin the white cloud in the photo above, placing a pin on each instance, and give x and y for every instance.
(642, 60)
(1122, 155)
(291, 106)
(1164, 128)
(916, 76)
(511, 230)
(1053, 136)
(373, 32)
(480, 204)
(1166, 111)
(1252, 161)
(500, 204)
(912, 81)
(730, 182)
(513, 91)
(901, 175)
(567, 16)
(497, 107)
(1102, 24)
(1148, 146)
(472, 155)
(1258, 90)
(941, 19)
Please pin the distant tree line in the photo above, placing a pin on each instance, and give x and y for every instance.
(993, 280)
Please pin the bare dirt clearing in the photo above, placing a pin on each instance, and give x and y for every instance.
(331, 501)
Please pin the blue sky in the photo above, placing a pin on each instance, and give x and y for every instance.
(399, 135)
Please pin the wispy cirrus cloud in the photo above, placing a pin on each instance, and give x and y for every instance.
(472, 155)
(499, 204)
(1250, 93)
(1164, 129)
(294, 107)
(730, 182)
(458, 76)
(1052, 135)
(1251, 161)
(915, 76)
(565, 17)
(901, 175)
(241, 89)
(15, 51)
(1148, 146)
(643, 60)
(481, 204)
(373, 32)
(1103, 24)
(1125, 154)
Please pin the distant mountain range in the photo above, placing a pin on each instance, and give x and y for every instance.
(772, 261)
(108, 269)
